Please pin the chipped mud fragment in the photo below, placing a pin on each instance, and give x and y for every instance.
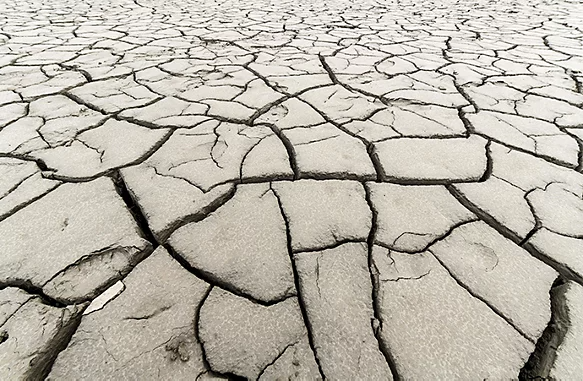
(105, 297)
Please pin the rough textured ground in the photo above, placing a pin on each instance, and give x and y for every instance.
(351, 190)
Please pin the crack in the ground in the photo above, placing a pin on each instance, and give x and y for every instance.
(32, 289)
(484, 216)
(134, 208)
(561, 268)
(542, 359)
(23, 205)
(375, 287)
(481, 299)
(438, 238)
(279, 355)
(212, 279)
(41, 368)
(297, 283)
(196, 329)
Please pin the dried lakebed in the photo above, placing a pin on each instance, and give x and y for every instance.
(380, 190)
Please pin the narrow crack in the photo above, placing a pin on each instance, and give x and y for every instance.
(438, 238)
(337, 243)
(150, 315)
(196, 329)
(196, 324)
(163, 235)
(297, 283)
(277, 358)
(436, 181)
(23, 205)
(547, 158)
(483, 300)
(483, 215)
(375, 283)
(212, 279)
(242, 165)
(24, 157)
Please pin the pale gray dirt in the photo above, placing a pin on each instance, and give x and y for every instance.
(376, 189)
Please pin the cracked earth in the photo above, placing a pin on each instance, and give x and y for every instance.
(351, 190)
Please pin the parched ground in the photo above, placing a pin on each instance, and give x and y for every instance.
(344, 190)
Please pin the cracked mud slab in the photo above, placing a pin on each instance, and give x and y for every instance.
(412, 160)
(146, 330)
(22, 182)
(335, 287)
(32, 333)
(291, 190)
(503, 275)
(410, 218)
(436, 329)
(242, 338)
(87, 233)
(242, 246)
(323, 213)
